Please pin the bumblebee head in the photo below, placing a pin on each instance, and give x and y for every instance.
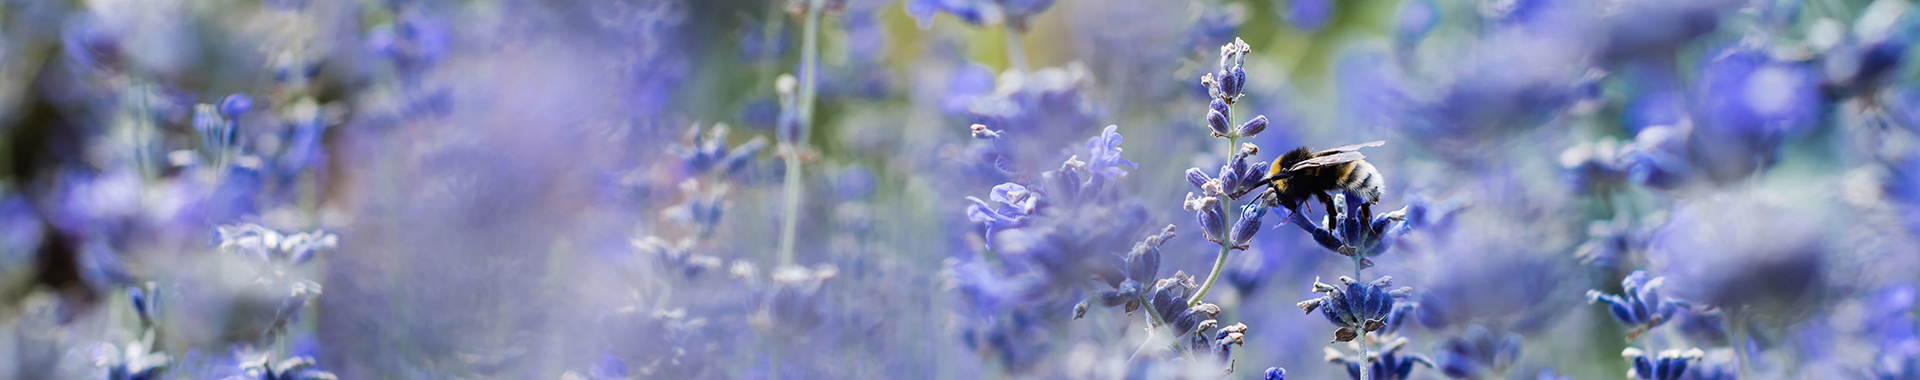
(1294, 157)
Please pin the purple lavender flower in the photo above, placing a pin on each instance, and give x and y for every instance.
(1670, 365)
(235, 105)
(1640, 308)
(1655, 107)
(1247, 226)
(966, 83)
(1415, 19)
(1216, 24)
(1480, 354)
(1309, 15)
(668, 342)
(1230, 83)
(1386, 364)
(1655, 28)
(677, 257)
(708, 152)
(609, 367)
(1017, 205)
(134, 362)
(1103, 156)
(1897, 366)
(1713, 367)
(1142, 266)
(1593, 168)
(1742, 253)
(1657, 158)
(1889, 318)
(1481, 277)
(1219, 347)
(758, 43)
(1750, 102)
(1020, 12)
(268, 247)
(1211, 215)
(1355, 307)
(1348, 235)
(793, 306)
(969, 11)
(1373, 91)
(296, 368)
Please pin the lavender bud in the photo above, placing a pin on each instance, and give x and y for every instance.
(1248, 225)
(1259, 168)
(1219, 106)
(1231, 82)
(1229, 179)
(1239, 168)
(789, 127)
(1218, 122)
(1211, 215)
(235, 105)
(1253, 127)
(1197, 177)
(141, 305)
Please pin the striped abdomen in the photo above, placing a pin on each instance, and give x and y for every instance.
(1362, 180)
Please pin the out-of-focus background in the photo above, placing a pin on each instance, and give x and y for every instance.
(752, 189)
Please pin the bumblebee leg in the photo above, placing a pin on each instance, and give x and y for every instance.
(1327, 200)
(1366, 213)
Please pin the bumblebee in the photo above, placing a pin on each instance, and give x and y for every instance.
(1303, 173)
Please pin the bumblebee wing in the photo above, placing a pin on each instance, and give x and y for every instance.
(1331, 159)
(1350, 148)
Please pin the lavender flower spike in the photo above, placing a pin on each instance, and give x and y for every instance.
(1670, 365)
(1355, 307)
(1641, 308)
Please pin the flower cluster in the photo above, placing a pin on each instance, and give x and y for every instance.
(1388, 363)
(1669, 365)
(1640, 308)
(1478, 355)
(1349, 234)
(1355, 307)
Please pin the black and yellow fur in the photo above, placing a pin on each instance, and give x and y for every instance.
(1288, 187)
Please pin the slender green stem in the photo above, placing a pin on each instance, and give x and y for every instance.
(790, 226)
(1219, 262)
(809, 62)
(1739, 322)
(1366, 346)
(1226, 244)
(1016, 52)
(773, 366)
(1158, 325)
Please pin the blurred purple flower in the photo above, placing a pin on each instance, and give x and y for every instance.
(1749, 103)
(1743, 254)
(1670, 365)
(968, 11)
(1415, 19)
(1388, 363)
(1640, 308)
(1479, 354)
(1309, 15)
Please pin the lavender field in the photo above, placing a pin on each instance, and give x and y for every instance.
(959, 189)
